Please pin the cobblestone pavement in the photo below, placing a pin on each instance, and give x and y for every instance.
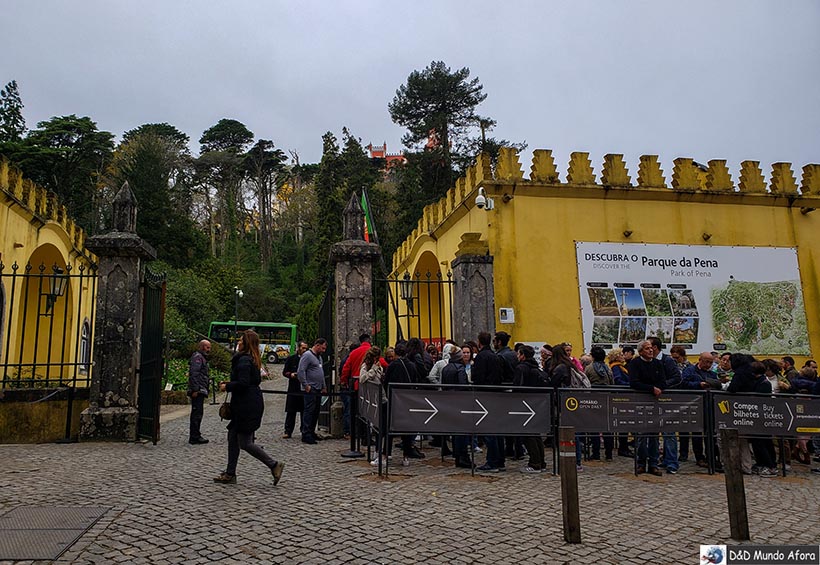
(166, 509)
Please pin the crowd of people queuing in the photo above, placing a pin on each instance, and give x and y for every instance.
(490, 361)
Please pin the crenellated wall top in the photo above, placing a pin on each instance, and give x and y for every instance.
(687, 177)
(40, 203)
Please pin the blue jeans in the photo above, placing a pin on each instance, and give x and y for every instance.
(579, 448)
(495, 451)
(670, 451)
(648, 448)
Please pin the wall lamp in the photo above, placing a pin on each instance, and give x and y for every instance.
(57, 283)
(406, 287)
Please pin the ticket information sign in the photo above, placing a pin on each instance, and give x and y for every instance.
(765, 415)
(590, 410)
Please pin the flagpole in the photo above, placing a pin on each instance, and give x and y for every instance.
(400, 333)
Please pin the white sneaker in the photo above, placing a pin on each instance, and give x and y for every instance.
(769, 473)
(529, 470)
(405, 462)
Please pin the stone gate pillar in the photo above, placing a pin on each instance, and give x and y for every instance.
(353, 261)
(112, 412)
(473, 292)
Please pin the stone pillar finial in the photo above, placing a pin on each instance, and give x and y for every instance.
(353, 220)
(125, 210)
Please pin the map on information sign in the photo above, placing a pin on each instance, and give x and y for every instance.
(760, 316)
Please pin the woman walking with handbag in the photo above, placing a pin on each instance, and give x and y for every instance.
(247, 408)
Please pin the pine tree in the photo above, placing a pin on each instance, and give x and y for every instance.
(12, 123)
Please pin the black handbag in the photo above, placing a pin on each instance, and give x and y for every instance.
(225, 409)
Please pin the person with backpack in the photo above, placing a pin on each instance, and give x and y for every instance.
(600, 375)
(563, 373)
(454, 373)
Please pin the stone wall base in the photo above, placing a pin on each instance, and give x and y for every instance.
(109, 424)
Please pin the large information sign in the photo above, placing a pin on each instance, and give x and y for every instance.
(469, 412)
(702, 297)
(590, 410)
(769, 416)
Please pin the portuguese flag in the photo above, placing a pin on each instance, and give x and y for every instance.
(369, 230)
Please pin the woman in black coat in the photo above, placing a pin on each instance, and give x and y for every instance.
(247, 408)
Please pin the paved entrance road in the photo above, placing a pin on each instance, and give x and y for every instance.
(166, 509)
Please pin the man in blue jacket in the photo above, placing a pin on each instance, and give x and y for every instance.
(673, 379)
(699, 376)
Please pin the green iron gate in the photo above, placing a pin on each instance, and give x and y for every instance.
(152, 360)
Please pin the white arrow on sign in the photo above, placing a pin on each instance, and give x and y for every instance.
(790, 415)
(483, 411)
(432, 412)
(531, 413)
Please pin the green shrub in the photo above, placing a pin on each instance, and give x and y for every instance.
(177, 373)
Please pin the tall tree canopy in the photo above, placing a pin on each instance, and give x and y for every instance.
(266, 172)
(154, 160)
(438, 105)
(226, 135)
(67, 155)
(219, 174)
(12, 123)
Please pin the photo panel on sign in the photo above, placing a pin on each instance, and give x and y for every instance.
(661, 328)
(657, 302)
(683, 302)
(686, 330)
(603, 302)
(630, 302)
(605, 330)
(633, 330)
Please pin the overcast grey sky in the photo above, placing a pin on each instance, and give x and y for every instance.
(732, 79)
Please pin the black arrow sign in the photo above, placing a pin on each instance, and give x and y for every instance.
(468, 412)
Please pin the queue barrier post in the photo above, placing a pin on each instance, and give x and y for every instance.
(353, 452)
(735, 490)
(569, 485)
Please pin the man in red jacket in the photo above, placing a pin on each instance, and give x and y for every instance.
(350, 376)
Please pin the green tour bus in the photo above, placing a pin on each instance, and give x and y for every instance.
(276, 340)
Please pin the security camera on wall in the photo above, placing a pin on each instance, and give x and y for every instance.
(482, 201)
